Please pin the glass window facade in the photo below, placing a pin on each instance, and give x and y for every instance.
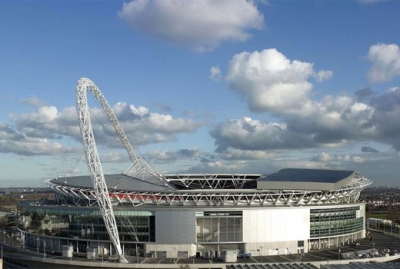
(86, 223)
(335, 221)
(217, 227)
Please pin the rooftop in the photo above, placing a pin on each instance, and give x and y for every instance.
(307, 179)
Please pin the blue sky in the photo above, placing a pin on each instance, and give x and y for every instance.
(228, 86)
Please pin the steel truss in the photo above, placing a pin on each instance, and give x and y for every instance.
(221, 197)
(210, 181)
(93, 159)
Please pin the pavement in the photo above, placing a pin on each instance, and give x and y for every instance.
(379, 242)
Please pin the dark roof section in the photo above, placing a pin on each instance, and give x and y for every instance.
(306, 179)
(119, 182)
(308, 175)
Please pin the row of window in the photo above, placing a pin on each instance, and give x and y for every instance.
(211, 226)
(345, 215)
(340, 229)
(219, 229)
(331, 210)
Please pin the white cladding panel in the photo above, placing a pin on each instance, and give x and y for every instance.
(275, 225)
(175, 227)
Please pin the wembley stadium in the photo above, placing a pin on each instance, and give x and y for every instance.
(141, 212)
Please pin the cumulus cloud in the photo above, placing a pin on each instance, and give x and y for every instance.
(322, 157)
(331, 122)
(246, 155)
(331, 161)
(47, 125)
(323, 75)
(250, 134)
(349, 158)
(114, 157)
(270, 82)
(385, 60)
(215, 73)
(202, 25)
(214, 166)
(33, 101)
(47, 122)
(12, 141)
(173, 155)
(144, 127)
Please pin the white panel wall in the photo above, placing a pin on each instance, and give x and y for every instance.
(176, 227)
(276, 225)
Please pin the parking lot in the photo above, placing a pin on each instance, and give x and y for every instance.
(380, 241)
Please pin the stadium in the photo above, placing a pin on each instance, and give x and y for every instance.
(141, 212)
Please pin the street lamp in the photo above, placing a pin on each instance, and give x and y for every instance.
(102, 252)
(37, 244)
(373, 249)
(261, 247)
(137, 254)
(44, 250)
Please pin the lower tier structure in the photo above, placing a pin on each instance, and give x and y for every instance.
(181, 232)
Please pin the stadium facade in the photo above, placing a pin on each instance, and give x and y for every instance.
(290, 211)
(141, 212)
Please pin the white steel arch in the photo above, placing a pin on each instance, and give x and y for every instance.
(93, 159)
(140, 167)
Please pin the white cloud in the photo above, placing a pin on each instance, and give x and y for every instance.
(322, 157)
(349, 158)
(250, 134)
(12, 141)
(246, 155)
(33, 101)
(215, 73)
(40, 130)
(114, 157)
(323, 75)
(218, 167)
(173, 155)
(331, 161)
(270, 82)
(358, 159)
(385, 60)
(202, 24)
(330, 123)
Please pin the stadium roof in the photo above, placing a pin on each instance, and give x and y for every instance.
(114, 182)
(306, 179)
(285, 179)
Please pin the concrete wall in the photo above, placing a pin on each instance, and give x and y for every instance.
(170, 250)
(176, 227)
(276, 224)
(271, 231)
